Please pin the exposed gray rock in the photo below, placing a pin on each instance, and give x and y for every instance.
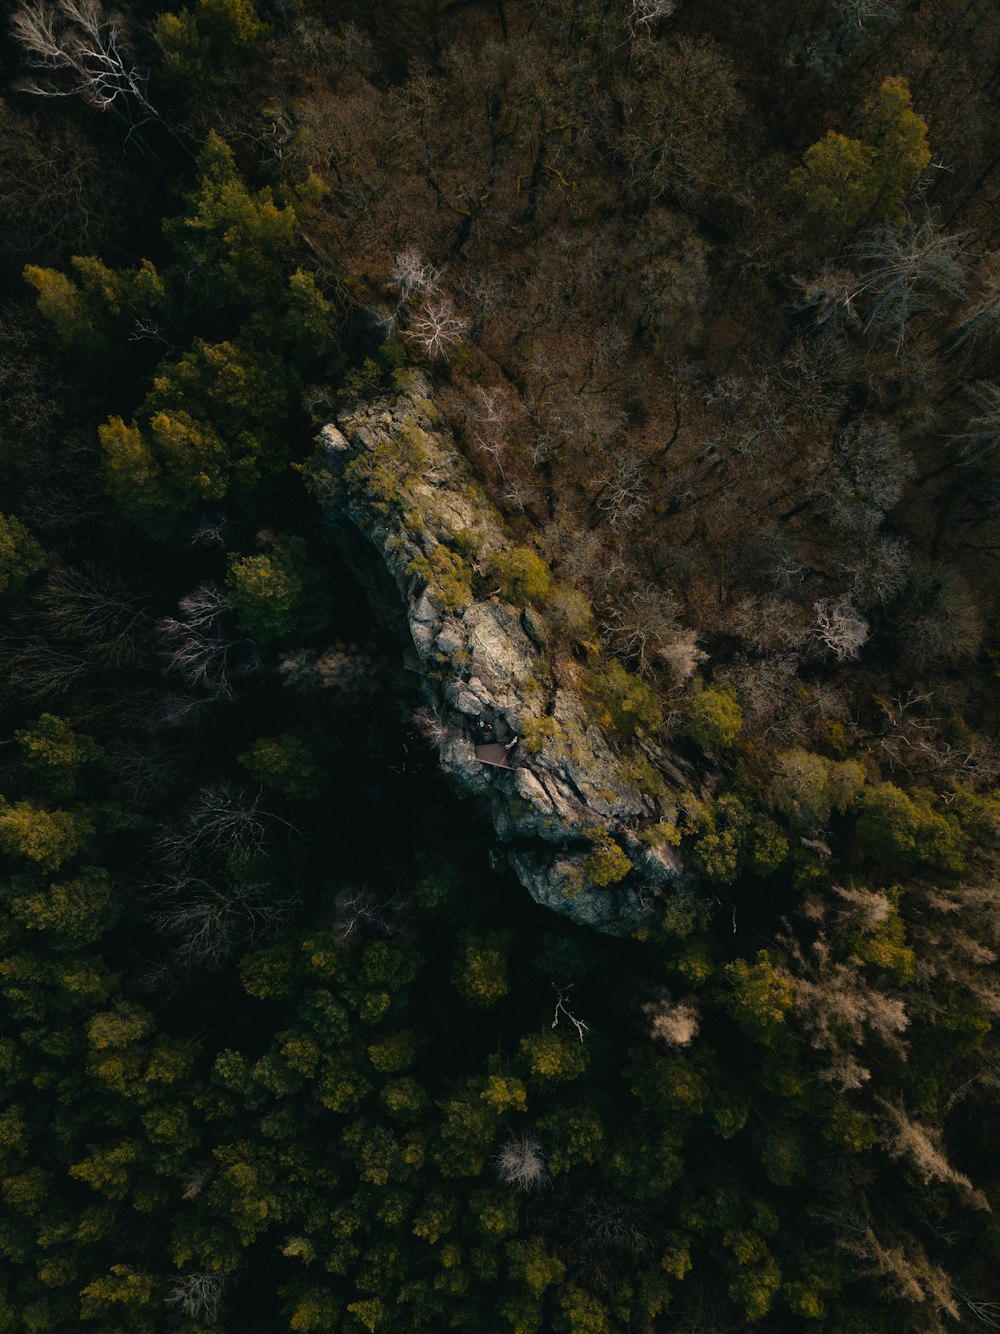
(487, 662)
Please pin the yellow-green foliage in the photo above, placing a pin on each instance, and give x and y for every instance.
(719, 833)
(505, 1093)
(845, 182)
(545, 733)
(20, 554)
(884, 947)
(713, 719)
(909, 825)
(480, 971)
(761, 995)
(84, 308)
(448, 578)
(625, 702)
(278, 591)
(46, 837)
(552, 1058)
(524, 577)
(808, 787)
(287, 762)
(194, 44)
(380, 475)
(607, 863)
(53, 752)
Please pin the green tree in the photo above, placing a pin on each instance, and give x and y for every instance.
(54, 753)
(20, 555)
(288, 763)
(46, 837)
(480, 971)
(277, 592)
(198, 45)
(846, 182)
(523, 575)
(713, 719)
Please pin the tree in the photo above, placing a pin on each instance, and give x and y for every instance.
(906, 273)
(480, 971)
(521, 1163)
(46, 837)
(194, 45)
(846, 182)
(20, 555)
(436, 328)
(80, 52)
(200, 647)
(288, 763)
(53, 753)
(277, 592)
(713, 717)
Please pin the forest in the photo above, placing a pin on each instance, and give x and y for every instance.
(694, 305)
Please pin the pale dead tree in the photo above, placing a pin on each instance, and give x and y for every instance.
(196, 1181)
(412, 275)
(360, 911)
(981, 438)
(437, 327)
(521, 1163)
(199, 645)
(857, 16)
(921, 1146)
(624, 493)
(646, 13)
(221, 819)
(98, 607)
(840, 1010)
(982, 313)
(898, 1259)
(198, 1296)
(489, 419)
(906, 274)
(210, 921)
(208, 531)
(674, 1023)
(982, 1309)
(561, 1012)
(79, 51)
(840, 628)
(430, 725)
(864, 477)
(643, 626)
(879, 570)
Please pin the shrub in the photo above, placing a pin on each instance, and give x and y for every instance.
(524, 576)
(448, 578)
(607, 863)
(628, 703)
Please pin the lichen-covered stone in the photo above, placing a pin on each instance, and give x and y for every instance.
(484, 660)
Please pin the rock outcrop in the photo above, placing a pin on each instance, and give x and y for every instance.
(392, 469)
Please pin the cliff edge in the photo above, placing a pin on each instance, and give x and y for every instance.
(566, 796)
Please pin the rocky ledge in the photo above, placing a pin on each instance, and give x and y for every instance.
(489, 673)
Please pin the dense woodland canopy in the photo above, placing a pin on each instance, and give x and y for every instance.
(710, 296)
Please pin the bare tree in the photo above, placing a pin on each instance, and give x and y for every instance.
(674, 1023)
(412, 275)
(909, 273)
(98, 607)
(521, 1162)
(437, 327)
(840, 628)
(79, 51)
(360, 911)
(199, 645)
(222, 820)
(209, 922)
(198, 1296)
